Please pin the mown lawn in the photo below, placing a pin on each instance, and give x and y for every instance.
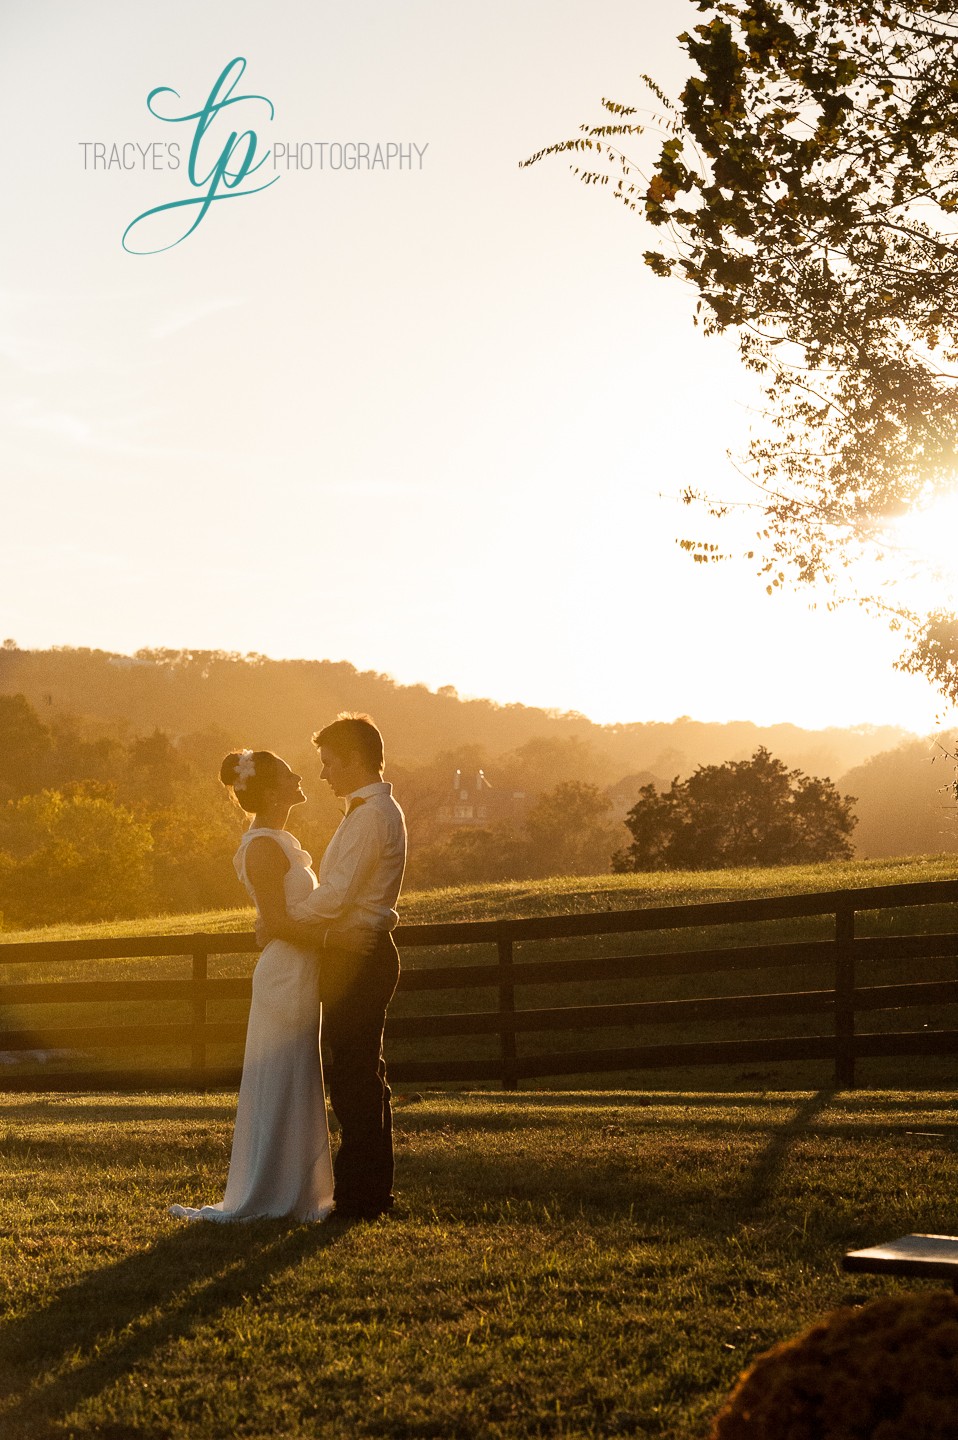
(554, 896)
(564, 1265)
(559, 895)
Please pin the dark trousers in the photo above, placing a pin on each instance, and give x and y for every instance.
(355, 993)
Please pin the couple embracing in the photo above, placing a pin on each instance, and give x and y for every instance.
(328, 952)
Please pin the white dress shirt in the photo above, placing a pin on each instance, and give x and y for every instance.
(361, 872)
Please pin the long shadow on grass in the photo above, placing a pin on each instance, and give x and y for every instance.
(115, 1318)
(601, 1164)
(768, 1167)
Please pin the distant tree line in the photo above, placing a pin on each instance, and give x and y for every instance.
(98, 822)
(277, 704)
(102, 825)
(906, 799)
(92, 826)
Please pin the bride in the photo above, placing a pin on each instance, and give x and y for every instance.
(280, 1165)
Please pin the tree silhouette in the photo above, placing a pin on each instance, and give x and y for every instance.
(745, 812)
(807, 181)
(569, 831)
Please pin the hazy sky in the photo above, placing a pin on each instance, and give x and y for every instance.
(430, 420)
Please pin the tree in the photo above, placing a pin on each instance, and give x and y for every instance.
(72, 855)
(569, 831)
(191, 849)
(548, 760)
(156, 765)
(905, 803)
(472, 856)
(808, 181)
(745, 812)
(25, 745)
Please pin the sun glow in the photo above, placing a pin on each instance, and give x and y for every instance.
(921, 546)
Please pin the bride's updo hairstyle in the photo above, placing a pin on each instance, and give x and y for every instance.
(250, 774)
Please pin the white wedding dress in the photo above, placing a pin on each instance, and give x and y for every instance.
(281, 1163)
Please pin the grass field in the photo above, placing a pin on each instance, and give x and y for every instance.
(561, 895)
(563, 1265)
(556, 896)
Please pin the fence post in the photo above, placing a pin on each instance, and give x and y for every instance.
(507, 1010)
(200, 973)
(845, 997)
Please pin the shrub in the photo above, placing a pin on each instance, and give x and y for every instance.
(73, 856)
(886, 1371)
(745, 812)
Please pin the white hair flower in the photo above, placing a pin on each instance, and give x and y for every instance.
(245, 769)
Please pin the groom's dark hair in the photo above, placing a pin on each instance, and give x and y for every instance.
(352, 734)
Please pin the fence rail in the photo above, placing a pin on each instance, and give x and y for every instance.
(842, 1001)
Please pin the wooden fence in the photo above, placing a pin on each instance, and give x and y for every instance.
(840, 1004)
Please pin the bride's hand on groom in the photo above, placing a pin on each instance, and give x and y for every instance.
(359, 941)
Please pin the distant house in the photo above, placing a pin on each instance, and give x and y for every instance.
(472, 801)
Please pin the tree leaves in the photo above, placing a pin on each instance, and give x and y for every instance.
(745, 812)
(805, 184)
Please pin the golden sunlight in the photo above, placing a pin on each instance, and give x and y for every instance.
(921, 545)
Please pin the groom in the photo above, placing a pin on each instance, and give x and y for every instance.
(359, 881)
